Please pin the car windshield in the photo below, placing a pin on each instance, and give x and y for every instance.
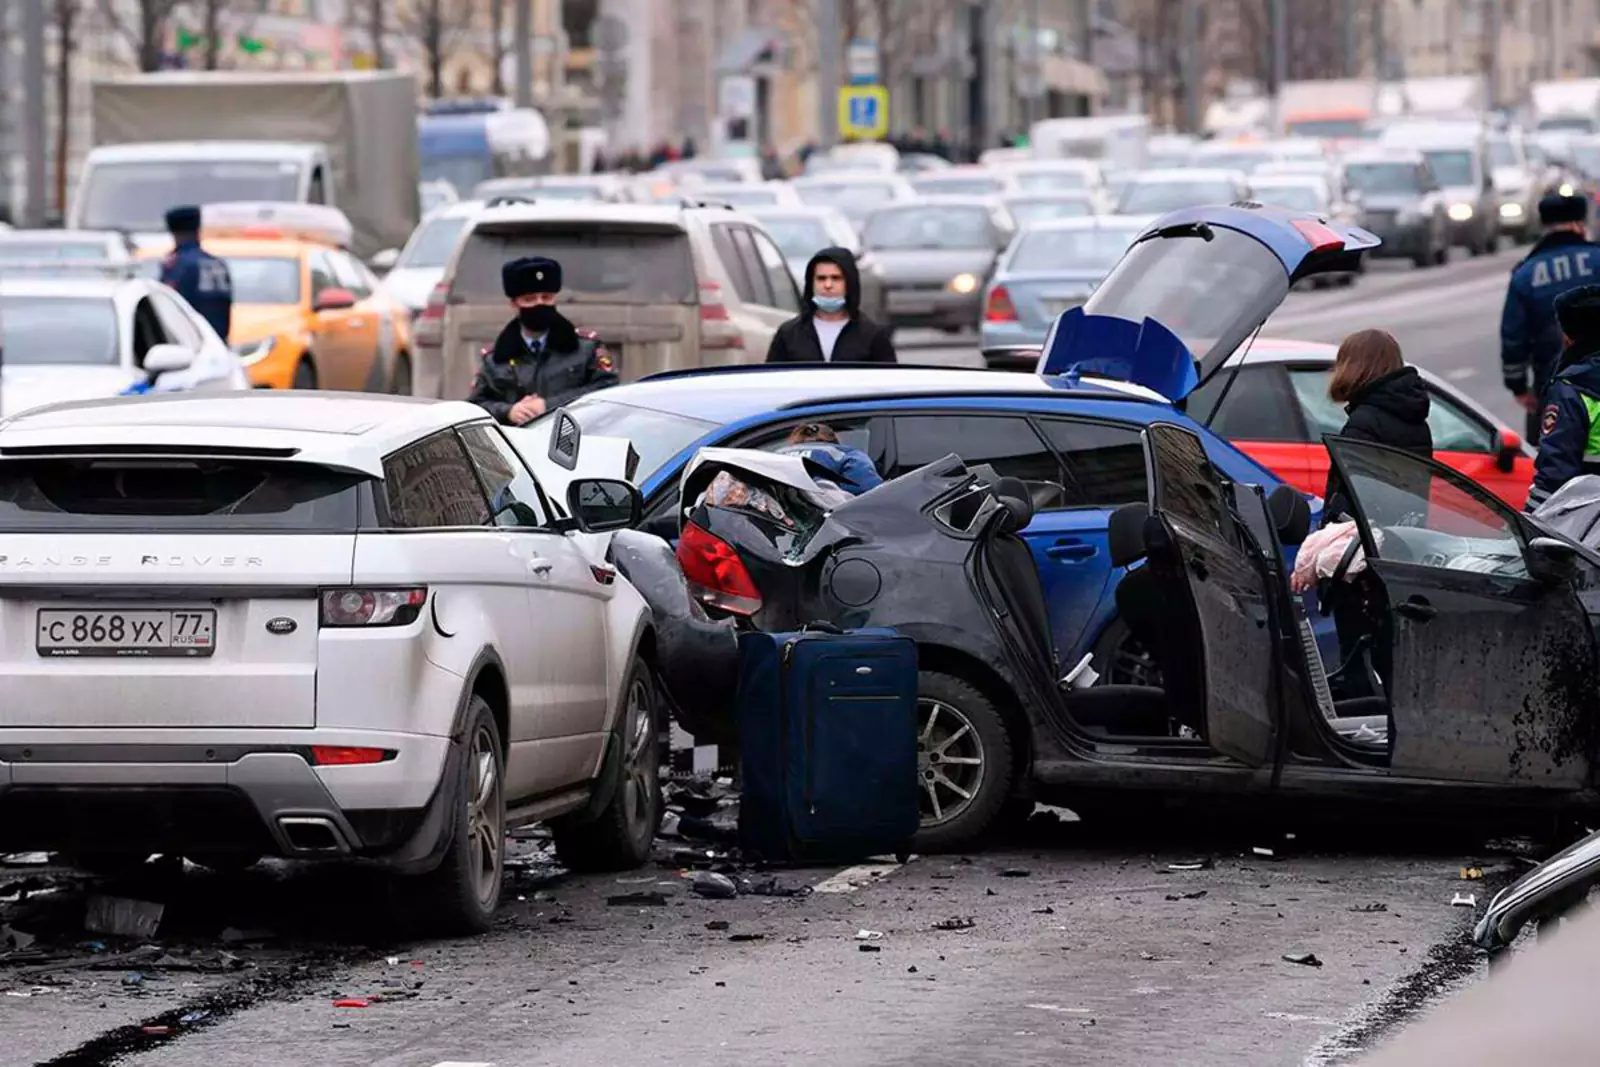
(1340, 128)
(1245, 161)
(434, 242)
(750, 196)
(958, 186)
(1294, 197)
(1502, 154)
(1383, 177)
(1070, 250)
(928, 228)
(1451, 166)
(1211, 292)
(18, 251)
(264, 279)
(1028, 212)
(1159, 197)
(846, 195)
(798, 238)
(59, 331)
(137, 196)
(656, 436)
(1043, 181)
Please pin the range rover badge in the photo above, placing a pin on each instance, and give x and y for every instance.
(281, 625)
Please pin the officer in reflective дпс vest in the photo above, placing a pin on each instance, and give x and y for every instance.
(199, 277)
(540, 361)
(1570, 418)
(1530, 342)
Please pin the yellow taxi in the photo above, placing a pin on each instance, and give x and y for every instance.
(306, 313)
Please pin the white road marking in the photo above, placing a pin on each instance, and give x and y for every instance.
(1461, 374)
(852, 878)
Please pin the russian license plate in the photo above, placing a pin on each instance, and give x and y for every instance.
(96, 632)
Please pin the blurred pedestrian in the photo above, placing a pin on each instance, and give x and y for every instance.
(1570, 419)
(199, 277)
(1530, 340)
(540, 361)
(771, 165)
(1386, 402)
(848, 467)
(830, 327)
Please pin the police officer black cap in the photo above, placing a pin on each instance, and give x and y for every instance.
(185, 219)
(1578, 312)
(531, 274)
(1555, 210)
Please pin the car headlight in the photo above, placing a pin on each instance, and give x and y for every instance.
(1460, 212)
(964, 284)
(1511, 211)
(1566, 189)
(252, 352)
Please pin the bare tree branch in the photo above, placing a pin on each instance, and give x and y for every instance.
(64, 14)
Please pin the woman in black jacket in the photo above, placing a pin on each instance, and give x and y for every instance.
(1386, 401)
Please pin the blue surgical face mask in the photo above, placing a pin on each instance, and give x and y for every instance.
(829, 304)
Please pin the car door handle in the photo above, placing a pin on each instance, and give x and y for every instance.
(1068, 548)
(541, 567)
(1417, 608)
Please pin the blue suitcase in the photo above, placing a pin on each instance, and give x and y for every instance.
(827, 745)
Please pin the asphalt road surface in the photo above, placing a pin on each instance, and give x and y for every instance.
(1071, 944)
(1447, 319)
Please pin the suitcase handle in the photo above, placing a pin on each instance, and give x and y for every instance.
(823, 627)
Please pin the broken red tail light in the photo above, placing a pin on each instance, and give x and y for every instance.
(1318, 236)
(348, 756)
(717, 576)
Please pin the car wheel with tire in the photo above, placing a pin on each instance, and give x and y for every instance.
(460, 895)
(305, 375)
(400, 377)
(964, 762)
(621, 837)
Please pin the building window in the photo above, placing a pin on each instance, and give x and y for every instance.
(578, 18)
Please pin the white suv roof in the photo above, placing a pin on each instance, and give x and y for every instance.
(353, 431)
(582, 211)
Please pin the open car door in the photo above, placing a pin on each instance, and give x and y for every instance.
(1492, 659)
(1238, 647)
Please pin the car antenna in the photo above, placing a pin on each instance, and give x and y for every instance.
(1238, 365)
(1199, 229)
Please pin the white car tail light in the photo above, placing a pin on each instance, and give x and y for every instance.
(372, 607)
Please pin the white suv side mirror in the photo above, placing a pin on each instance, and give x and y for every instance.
(161, 359)
(384, 261)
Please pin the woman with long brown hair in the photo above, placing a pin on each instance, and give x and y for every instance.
(1386, 401)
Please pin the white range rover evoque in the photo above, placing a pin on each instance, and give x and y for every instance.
(312, 625)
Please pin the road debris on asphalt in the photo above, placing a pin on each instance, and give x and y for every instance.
(869, 935)
(747, 937)
(25, 859)
(1198, 894)
(956, 922)
(713, 886)
(1304, 959)
(1204, 864)
(718, 925)
(870, 948)
(1471, 874)
(1368, 909)
(1016, 872)
(1464, 900)
(645, 900)
(123, 916)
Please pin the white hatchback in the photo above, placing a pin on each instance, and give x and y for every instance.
(316, 625)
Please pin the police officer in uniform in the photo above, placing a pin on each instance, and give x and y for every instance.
(540, 361)
(1530, 342)
(199, 277)
(1570, 418)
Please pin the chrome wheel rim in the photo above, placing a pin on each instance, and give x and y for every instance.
(485, 825)
(950, 761)
(640, 768)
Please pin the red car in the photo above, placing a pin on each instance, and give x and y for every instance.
(1277, 409)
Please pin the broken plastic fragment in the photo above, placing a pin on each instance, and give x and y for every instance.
(1464, 900)
(957, 922)
(869, 935)
(1471, 874)
(351, 1002)
(1192, 865)
(1304, 959)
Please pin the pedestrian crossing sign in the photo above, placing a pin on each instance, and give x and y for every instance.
(863, 112)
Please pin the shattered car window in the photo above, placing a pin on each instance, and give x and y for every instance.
(790, 517)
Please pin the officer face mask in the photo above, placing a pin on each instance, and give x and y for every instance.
(538, 318)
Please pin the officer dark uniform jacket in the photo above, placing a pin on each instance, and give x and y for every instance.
(861, 340)
(561, 366)
(1530, 342)
(1391, 410)
(1570, 417)
(199, 277)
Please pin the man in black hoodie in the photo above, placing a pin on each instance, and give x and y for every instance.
(830, 327)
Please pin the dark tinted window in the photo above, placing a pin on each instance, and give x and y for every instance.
(431, 483)
(1258, 406)
(1106, 462)
(750, 259)
(1007, 444)
(1187, 491)
(513, 494)
(176, 493)
(728, 252)
(597, 260)
(433, 243)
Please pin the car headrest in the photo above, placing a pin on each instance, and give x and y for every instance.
(1013, 495)
(1125, 534)
(1291, 515)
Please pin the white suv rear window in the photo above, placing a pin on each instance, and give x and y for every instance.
(620, 266)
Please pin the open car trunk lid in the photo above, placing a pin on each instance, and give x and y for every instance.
(1189, 292)
(167, 591)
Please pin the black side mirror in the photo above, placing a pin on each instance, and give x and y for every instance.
(600, 505)
(1505, 459)
(1552, 560)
